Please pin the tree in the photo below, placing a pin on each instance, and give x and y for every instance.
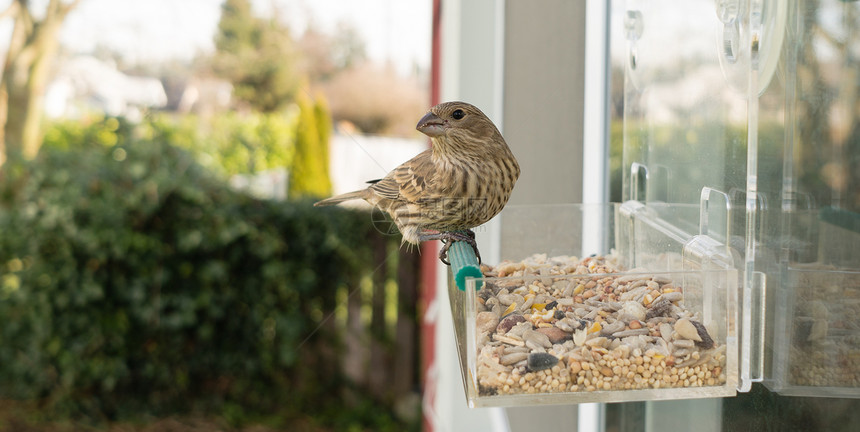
(322, 115)
(32, 47)
(309, 175)
(257, 56)
(376, 99)
(324, 55)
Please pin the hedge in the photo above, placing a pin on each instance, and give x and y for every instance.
(133, 280)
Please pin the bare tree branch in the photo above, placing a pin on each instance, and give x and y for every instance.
(25, 73)
(828, 37)
(71, 5)
(11, 10)
(59, 9)
(24, 18)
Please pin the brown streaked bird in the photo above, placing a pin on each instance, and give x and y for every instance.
(461, 182)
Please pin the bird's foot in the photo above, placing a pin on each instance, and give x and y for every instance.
(449, 237)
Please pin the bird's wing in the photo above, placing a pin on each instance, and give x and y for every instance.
(408, 181)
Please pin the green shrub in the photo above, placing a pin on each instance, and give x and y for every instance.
(225, 143)
(309, 176)
(67, 134)
(231, 143)
(133, 281)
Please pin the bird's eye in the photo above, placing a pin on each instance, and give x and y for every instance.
(458, 114)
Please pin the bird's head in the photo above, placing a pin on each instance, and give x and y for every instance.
(457, 121)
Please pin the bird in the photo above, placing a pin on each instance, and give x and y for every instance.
(462, 181)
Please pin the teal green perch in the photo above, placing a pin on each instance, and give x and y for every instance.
(464, 264)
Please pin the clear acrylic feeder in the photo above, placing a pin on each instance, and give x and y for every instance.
(754, 104)
(805, 156)
(666, 329)
(739, 189)
(816, 302)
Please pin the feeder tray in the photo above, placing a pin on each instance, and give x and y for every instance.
(554, 329)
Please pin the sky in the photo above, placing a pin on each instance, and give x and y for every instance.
(157, 30)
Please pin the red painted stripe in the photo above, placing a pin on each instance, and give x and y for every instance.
(429, 250)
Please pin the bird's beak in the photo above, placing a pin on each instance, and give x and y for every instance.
(431, 125)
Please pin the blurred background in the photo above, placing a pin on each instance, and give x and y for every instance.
(161, 267)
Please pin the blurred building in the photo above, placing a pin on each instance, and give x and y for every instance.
(84, 84)
(203, 96)
(355, 158)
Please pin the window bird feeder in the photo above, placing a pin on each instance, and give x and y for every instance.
(733, 258)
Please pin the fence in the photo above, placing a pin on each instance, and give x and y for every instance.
(378, 319)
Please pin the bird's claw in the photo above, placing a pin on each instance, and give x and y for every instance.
(448, 238)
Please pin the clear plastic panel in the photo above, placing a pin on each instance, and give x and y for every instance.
(755, 101)
(685, 105)
(808, 161)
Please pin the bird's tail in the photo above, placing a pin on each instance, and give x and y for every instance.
(359, 194)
